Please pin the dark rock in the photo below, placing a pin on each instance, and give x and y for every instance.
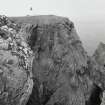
(98, 65)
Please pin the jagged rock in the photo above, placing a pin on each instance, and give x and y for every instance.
(99, 57)
(62, 72)
(99, 54)
(15, 76)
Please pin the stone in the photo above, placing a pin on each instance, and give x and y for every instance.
(16, 83)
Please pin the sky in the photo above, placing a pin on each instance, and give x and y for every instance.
(88, 15)
(69, 8)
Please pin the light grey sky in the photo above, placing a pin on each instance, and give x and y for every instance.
(70, 8)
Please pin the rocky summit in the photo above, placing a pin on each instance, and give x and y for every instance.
(43, 62)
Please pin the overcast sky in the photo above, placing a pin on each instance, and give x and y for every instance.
(69, 8)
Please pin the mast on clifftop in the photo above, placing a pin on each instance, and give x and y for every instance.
(31, 10)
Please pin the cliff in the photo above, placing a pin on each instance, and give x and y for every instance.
(60, 62)
(61, 72)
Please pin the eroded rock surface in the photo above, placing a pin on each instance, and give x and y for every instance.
(15, 75)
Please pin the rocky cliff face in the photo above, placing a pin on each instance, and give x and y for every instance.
(59, 58)
(15, 75)
(62, 73)
(60, 68)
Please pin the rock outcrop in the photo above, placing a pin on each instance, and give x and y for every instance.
(45, 64)
(60, 63)
(15, 72)
(99, 54)
(99, 57)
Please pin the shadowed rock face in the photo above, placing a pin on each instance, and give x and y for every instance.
(95, 96)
